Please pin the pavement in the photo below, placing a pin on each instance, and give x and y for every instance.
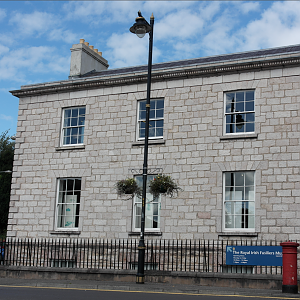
(146, 287)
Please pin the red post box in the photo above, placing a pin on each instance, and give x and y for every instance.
(289, 266)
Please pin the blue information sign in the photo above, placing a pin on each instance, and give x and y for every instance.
(254, 255)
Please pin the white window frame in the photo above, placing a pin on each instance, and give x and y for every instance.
(151, 202)
(78, 127)
(68, 200)
(152, 119)
(238, 109)
(237, 195)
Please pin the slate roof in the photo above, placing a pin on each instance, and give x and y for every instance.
(198, 61)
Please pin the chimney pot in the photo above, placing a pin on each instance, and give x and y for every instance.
(91, 47)
(86, 43)
(81, 41)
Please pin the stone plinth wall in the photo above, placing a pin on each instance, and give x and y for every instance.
(273, 282)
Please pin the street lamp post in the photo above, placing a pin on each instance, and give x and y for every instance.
(140, 28)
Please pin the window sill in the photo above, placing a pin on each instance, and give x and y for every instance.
(238, 234)
(71, 147)
(68, 232)
(239, 136)
(149, 233)
(150, 142)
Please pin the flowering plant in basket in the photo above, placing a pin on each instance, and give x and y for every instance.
(128, 186)
(163, 184)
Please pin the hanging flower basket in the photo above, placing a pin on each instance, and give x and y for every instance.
(127, 186)
(163, 184)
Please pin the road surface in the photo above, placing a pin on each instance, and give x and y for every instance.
(10, 292)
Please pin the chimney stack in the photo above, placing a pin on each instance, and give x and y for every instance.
(86, 59)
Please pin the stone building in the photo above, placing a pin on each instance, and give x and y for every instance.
(226, 128)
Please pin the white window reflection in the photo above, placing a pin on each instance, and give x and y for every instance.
(152, 208)
(239, 200)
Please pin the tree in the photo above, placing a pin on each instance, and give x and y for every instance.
(7, 148)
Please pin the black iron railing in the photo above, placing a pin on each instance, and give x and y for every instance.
(161, 255)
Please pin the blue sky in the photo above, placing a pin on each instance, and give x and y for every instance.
(36, 36)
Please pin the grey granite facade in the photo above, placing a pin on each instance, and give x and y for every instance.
(195, 149)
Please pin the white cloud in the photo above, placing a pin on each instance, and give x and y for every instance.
(59, 64)
(184, 50)
(219, 35)
(2, 14)
(103, 11)
(3, 49)
(179, 29)
(58, 34)
(182, 30)
(7, 39)
(42, 23)
(6, 118)
(160, 9)
(129, 50)
(192, 31)
(120, 11)
(278, 26)
(247, 7)
(83, 9)
(226, 31)
(175, 25)
(34, 23)
(18, 64)
(95, 12)
(209, 10)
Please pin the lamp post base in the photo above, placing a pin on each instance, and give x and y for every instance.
(140, 279)
(140, 276)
